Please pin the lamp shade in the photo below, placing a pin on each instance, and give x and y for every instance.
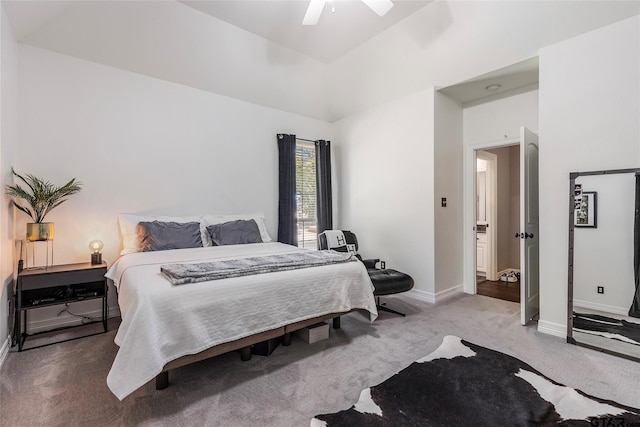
(96, 246)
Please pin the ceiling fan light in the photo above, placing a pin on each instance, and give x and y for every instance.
(313, 12)
(381, 7)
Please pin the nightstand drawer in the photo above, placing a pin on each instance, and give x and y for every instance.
(48, 280)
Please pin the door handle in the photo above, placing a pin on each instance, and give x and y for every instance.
(524, 235)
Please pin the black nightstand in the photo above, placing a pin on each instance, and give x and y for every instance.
(55, 285)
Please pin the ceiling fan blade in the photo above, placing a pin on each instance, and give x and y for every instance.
(381, 7)
(313, 12)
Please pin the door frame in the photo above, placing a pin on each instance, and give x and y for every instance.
(469, 209)
(491, 209)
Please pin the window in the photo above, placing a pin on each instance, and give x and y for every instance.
(306, 194)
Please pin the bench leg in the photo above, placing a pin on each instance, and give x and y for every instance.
(162, 380)
(383, 307)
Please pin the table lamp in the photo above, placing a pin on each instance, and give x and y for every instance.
(96, 256)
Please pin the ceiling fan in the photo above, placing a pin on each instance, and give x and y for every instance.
(381, 7)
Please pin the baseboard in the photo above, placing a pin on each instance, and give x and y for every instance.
(621, 311)
(4, 351)
(434, 298)
(551, 328)
(449, 293)
(428, 297)
(65, 321)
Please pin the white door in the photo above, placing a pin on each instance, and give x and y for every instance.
(481, 253)
(529, 235)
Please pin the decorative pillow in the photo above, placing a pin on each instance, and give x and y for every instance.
(257, 217)
(236, 232)
(160, 236)
(128, 229)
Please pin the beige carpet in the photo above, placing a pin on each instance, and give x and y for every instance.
(64, 384)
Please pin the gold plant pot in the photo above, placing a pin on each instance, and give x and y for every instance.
(39, 231)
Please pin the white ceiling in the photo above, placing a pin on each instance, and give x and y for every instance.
(259, 51)
(279, 21)
(336, 33)
(496, 83)
(28, 16)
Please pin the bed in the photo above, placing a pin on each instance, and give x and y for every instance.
(165, 326)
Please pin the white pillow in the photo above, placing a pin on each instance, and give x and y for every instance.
(207, 220)
(128, 223)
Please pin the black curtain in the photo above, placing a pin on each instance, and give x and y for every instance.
(324, 206)
(635, 305)
(287, 225)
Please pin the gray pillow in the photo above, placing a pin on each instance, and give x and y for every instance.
(160, 236)
(235, 232)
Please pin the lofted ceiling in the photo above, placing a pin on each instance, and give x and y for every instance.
(336, 34)
(279, 21)
(258, 50)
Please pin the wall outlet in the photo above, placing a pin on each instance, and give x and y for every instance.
(601, 289)
(383, 265)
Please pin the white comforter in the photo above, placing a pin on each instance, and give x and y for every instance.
(162, 322)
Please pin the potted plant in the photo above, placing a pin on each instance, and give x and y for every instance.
(37, 199)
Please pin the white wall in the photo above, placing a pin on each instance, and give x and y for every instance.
(448, 184)
(142, 145)
(174, 42)
(443, 43)
(139, 144)
(589, 109)
(447, 42)
(385, 159)
(500, 118)
(603, 256)
(8, 143)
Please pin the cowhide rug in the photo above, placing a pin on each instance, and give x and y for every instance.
(608, 327)
(463, 384)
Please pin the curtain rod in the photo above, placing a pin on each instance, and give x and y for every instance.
(309, 140)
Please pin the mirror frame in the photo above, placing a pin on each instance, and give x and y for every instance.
(572, 182)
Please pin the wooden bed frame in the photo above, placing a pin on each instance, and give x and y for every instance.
(244, 345)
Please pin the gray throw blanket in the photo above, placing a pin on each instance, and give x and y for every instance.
(179, 274)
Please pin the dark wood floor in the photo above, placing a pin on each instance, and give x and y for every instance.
(509, 291)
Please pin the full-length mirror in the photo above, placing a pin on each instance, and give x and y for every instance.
(604, 239)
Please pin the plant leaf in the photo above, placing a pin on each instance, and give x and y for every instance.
(42, 196)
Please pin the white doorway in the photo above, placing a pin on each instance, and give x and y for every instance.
(486, 213)
(524, 227)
